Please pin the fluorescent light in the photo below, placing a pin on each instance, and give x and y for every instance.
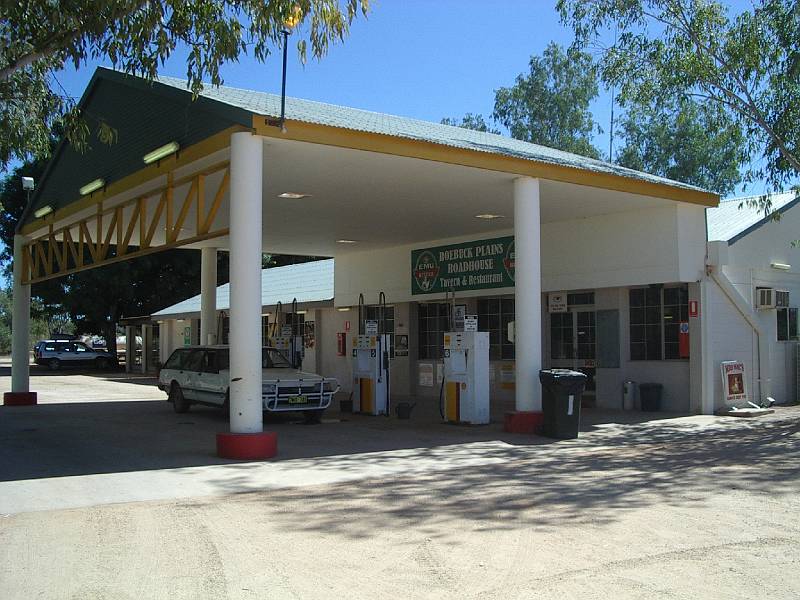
(92, 186)
(266, 314)
(489, 216)
(293, 195)
(161, 152)
(41, 212)
(346, 242)
(300, 312)
(343, 309)
(780, 266)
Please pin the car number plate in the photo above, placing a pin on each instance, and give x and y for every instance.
(298, 400)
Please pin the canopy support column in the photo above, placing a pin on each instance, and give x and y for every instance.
(527, 417)
(247, 440)
(208, 296)
(20, 393)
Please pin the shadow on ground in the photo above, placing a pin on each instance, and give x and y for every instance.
(589, 481)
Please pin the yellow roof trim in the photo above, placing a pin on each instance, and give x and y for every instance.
(398, 146)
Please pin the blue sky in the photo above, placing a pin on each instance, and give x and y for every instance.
(413, 58)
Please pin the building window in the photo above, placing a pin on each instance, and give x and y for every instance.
(656, 314)
(787, 324)
(433, 321)
(561, 338)
(494, 315)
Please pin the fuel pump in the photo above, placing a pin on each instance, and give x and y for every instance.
(466, 374)
(371, 362)
(297, 346)
(281, 338)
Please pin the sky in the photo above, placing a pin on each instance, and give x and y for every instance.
(414, 58)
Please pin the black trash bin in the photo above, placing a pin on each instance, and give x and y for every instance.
(561, 402)
(650, 396)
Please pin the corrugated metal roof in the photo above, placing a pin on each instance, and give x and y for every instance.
(308, 111)
(735, 217)
(307, 282)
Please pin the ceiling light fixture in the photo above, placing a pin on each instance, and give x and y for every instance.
(489, 216)
(92, 186)
(44, 211)
(161, 152)
(300, 312)
(293, 195)
(780, 266)
(346, 242)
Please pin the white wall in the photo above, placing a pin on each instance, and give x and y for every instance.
(748, 267)
(629, 248)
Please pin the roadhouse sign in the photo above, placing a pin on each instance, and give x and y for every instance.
(467, 266)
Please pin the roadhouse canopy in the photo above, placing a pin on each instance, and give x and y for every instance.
(375, 178)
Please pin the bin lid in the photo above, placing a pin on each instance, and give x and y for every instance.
(556, 375)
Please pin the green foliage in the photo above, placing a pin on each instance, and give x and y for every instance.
(747, 65)
(550, 104)
(40, 37)
(470, 121)
(684, 140)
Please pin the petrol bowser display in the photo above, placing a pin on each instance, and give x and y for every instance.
(371, 374)
(466, 377)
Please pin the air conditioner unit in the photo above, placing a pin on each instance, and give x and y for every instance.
(781, 299)
(765, 298)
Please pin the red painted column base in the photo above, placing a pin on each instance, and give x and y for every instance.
(523, 422)
(20, 399)
(247, 446)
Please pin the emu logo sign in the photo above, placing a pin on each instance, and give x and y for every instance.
(426, 271)
(477, 265)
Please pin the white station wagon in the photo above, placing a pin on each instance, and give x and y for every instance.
(201, 375)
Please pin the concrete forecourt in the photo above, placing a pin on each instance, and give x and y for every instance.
(125, 499)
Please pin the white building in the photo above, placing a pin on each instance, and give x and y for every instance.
(407, 208)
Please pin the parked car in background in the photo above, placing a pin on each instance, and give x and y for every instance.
(201, 375)
(56, 354)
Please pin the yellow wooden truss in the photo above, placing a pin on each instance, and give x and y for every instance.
(128, 230)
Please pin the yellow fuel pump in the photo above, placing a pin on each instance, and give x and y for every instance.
(466, 377)
(371, 364)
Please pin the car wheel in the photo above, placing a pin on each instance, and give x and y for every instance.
(102, 363)
(179, 402)
(54, 364)
(312, 417)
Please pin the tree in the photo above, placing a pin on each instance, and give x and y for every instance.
(470, 121)
(747, 65)
(39, 37)
(550, 105)
(697, 143)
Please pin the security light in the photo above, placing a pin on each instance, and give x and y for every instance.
(43, 211)
(92, 186)
(780, 266)
(161, 152)
(27, 183)
(293, 195)
(489, 216)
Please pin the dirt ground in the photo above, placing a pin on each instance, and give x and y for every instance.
(689, 507)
